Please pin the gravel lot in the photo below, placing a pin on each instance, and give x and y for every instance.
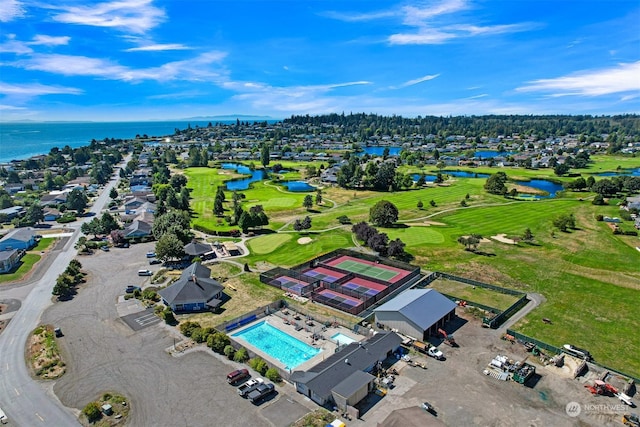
(103, 354)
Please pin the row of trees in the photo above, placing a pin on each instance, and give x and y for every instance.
(68, 280)
(103, 225)
(377, 176)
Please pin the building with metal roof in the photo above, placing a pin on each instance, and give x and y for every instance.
(416, 313)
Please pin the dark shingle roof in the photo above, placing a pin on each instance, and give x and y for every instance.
(193, 285)
(360, 356)
(354, 382)
(197, 248)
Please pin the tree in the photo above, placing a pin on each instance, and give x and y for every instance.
(527, 236)
(307, 203)
(77, 200)
(383, 214)
(108, 223)
(117, 237)
(564, 222)
(92, 227)
(264, 155)
(34, 214)
(433, 203)
(92, 412)
(244, 222)
(218, 207)
(396, 249)
(319, 197)
(470, 242)
(113, 193)
(378, 242)
(176, 222)
(496, 183)
(420, 205)
(561, 169)
(599, 200)
(169, 246)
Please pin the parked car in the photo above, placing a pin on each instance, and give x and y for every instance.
(105, 248)
(151, 254)
(154, 261)
(58, 332)
(131, 289)
(435, 353)
(3, 417)
(237, 376)
(145, 273)
(429, 408)
(262, 391)
(249, 386)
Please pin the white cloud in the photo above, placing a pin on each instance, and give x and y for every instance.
(134, 16)
(416, 81)
(417, 16)
(36, 89)
(158, 47)
(41, 39)
(4, 107)
(194, 69)
(619, 79)
(10, 10)
(14, 46)
(360, 17)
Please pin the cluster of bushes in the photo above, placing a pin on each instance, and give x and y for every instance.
(220, 343)
(220, 233)
(379, 242)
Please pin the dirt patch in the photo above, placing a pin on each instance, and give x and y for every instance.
(44, 355)
(305, 240)
(117, 415)
(504, 239)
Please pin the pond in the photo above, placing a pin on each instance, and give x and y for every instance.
(298, 186)
(623, 172)
(427, 178)
(540, 184)
(490, 154)
(378, 151)
(465, 174)
(243, 183)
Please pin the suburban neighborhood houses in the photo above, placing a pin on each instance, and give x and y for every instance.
(189, 258)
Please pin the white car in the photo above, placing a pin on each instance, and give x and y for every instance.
(3, 417)
(435, 353)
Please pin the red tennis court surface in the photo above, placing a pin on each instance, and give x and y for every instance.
(400, 273)
(324, 274)
(366, 284)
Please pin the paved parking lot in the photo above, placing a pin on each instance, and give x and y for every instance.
(103, 353)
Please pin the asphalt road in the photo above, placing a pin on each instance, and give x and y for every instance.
(24, 400)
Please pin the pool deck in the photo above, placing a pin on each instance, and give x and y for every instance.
(286, 321)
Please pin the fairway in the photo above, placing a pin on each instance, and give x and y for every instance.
(268, 243)
(416, 235)
(366, 270)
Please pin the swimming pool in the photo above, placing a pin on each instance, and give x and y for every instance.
(277, 344)
(342, 338)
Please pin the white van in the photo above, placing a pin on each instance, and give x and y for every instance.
(3, 417)
(145, 273)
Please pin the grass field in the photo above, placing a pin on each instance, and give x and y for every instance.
(43, 244)
(588, 276)
(476, 294)
(27, 263)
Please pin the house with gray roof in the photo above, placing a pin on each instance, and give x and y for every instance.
(137, 229)
(416, 313)
(344, 378)
(13, 211)
(18, 238)
(195, 290)
(9, 259)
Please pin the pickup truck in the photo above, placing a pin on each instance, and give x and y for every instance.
(260, 392)
(249, 386)
(435, 353)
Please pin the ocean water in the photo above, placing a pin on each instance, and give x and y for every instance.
(23, 140)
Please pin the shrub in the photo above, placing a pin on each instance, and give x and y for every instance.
(229, 351)
(599, 217)
(168, 317)
(187, 328)
(218, 342)
(273, 375)
(241, 355)
(199, 335)
(258, 365)
(92, 412)
(631, 233)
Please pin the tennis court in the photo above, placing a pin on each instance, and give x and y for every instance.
(325, 274)
(364, 287)
(292, 285)
(338, 299)
(368, 268)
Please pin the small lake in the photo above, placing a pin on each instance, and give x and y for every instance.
(243, 183)
(298, 186)
(623, 172)
(540, 184)
(378, 151)
(465, 174)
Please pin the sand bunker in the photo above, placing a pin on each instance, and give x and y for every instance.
(503, 238)
(305, 240)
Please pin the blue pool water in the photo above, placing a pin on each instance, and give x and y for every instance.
(342, 338)
(299, 186)
(281, 346)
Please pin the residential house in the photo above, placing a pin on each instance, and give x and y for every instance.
(13, 212)
(137, 229)
(195, 290)
(9, 259)
(18, 238)
(53, 199)
(51, 214)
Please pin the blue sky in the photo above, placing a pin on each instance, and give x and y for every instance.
(169, 59)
